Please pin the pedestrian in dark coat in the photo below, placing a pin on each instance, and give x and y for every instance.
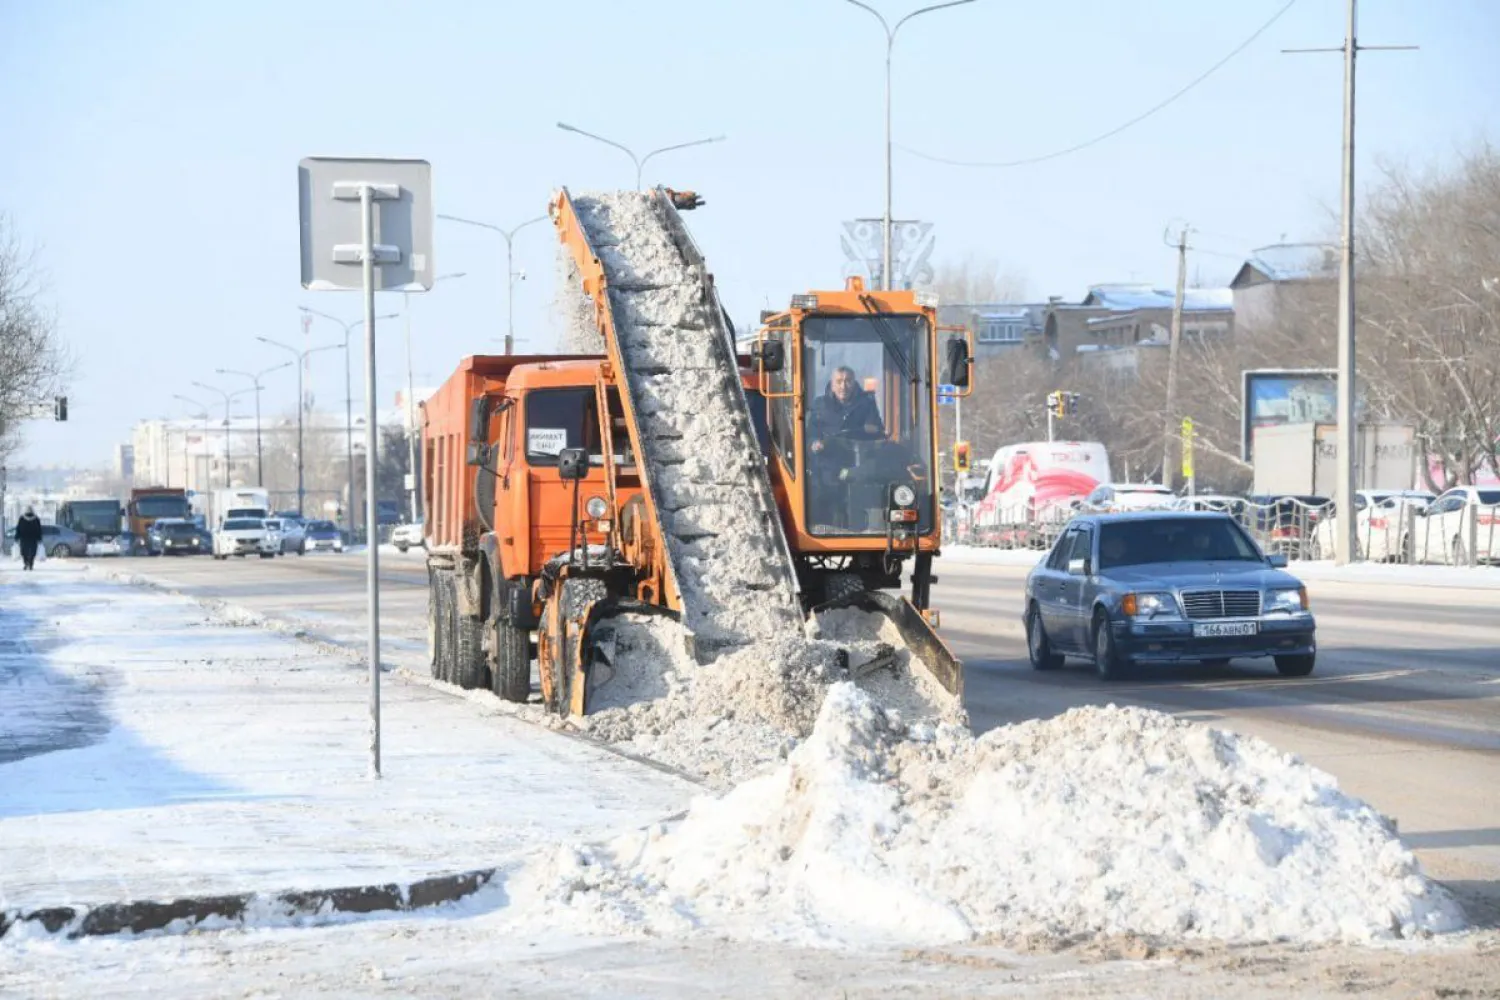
(29, 535)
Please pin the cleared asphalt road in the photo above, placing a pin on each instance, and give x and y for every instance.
(1404, 707)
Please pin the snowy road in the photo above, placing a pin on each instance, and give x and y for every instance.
(1404, 708)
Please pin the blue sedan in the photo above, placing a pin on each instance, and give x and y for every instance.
(1164, 587)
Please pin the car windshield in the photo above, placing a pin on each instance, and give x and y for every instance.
(98, 516)
(243, 524)
(161, 506)
(179, 529)
(1173, 540)
(317, 526)
(1488, 496)
(273, 525)
(868, 414)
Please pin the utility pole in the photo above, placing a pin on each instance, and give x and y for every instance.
(1345, 535)
(1170, 417)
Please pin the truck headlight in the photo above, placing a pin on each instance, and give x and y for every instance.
(1149, 605)
(904, 495)
(597, 507)
(1286, 601)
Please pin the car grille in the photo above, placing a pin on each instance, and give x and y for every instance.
(1221, 603)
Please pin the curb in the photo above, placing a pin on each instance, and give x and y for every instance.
(189, 912)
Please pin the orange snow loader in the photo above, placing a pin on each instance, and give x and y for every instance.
(669, 475)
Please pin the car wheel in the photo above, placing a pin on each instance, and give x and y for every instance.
(1107, 660)
(1295, 666)
(61, 552)
(401, 549)
(1037, 643)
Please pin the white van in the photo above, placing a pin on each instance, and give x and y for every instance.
(1032, 489)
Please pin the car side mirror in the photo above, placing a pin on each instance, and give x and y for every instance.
(769, 355)
(1277, 560)
(956, 365)
(573, 464)
(1078, 567)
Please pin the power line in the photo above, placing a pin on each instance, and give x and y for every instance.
(1119, 128)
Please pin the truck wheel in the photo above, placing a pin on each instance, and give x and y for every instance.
(469, 669)
(434, 625)
(510, 667)
(837, 585)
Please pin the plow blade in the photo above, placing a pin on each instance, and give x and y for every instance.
(619, 659)
(918, 636)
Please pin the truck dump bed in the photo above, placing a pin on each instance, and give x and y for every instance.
(704, 477)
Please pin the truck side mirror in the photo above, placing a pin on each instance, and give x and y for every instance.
(573, 464)
(769, 355)
(479, 420)
(956, 366)
(477, 452)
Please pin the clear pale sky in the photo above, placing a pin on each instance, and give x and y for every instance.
(150, 149)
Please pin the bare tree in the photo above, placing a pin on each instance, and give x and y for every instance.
(977, 279)
(33, 362)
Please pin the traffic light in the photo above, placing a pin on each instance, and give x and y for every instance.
(1057, 402)
(60, 408)
(961, 456)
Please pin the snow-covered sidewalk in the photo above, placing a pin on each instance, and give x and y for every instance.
(150, 751)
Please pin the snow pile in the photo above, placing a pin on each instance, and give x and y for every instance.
(702, 459)
(1101, 821)
(728, 720)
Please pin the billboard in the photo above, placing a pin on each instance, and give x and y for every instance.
(1273, 396)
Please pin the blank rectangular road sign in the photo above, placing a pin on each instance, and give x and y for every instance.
(332, 225)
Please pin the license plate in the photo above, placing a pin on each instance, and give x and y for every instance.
(1214, 629)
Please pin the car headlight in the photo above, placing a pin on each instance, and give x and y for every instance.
(1289, 601)
(1149, 605)
(597, 507)
(904, 495)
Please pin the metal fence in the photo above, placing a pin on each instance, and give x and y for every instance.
(1402, 531)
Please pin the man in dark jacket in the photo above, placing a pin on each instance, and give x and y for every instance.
(29, 536)
(845, 413)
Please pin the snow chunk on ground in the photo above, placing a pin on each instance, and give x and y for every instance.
(1101, 821)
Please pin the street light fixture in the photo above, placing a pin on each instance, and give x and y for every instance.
(890, 43)
(640, 161)
(228, 398)
(301, 356)
(255, 377)
(348, 329)
(411, 436)
(510, 271)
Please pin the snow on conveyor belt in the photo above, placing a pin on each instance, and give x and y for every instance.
(703, 464)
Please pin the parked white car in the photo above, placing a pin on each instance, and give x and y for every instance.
(1464, 516)
(1380, 524)
(244, 536)
(407, 536)
(1129, 496)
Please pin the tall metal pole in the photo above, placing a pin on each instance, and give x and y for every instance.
(1170, 417)
(372, 549)
(510, 295)
(1344, 534)
(1344, 526)
(301, 405)
(411, 437)
(890, 44)
(885, 267)
(349, 432)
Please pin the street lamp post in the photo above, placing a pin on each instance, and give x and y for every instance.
(228, 398)
(348, 398)
(640, 161)
(255, 377)
(301, 357)
(202, 414)
(510, 271)
(411, 436)
(890, 43)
